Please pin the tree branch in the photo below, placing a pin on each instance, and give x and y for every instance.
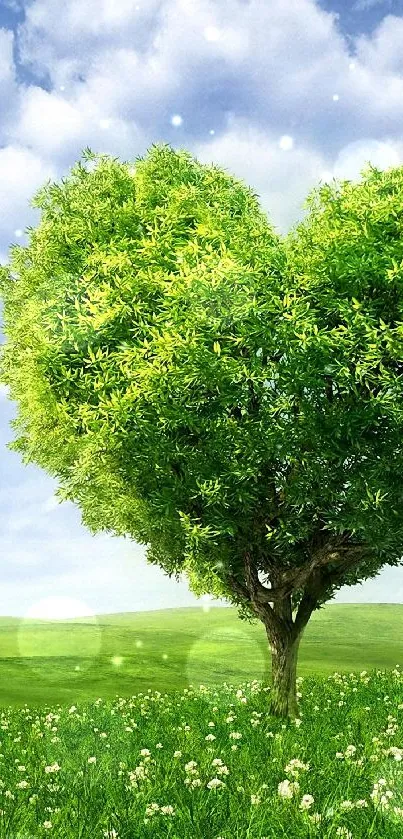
(308, 601)
(321, 582)
(314, 576)
(336, 575)
(238, 587)
(295, 578)
(261, 597)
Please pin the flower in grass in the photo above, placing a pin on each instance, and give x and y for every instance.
(47, 825)
(344, 832)
(287, 788)
(196, 782)
(381, 796)
(92, 760)
(306, 802)
(215, 783)
(397, 753)
(22, 784)
(111, 834)
(294, 766)
(191, 766)
(315, 818)
(54, 767)
(220, 766)
(152, 808)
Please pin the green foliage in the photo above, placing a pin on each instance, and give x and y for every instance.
(346, 261)
(197, 383)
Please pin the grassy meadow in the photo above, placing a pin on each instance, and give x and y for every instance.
(155, 725)
(43, 662)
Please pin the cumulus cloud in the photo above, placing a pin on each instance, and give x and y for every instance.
(22, 172)
(384, 48)
(280, 176)
(353, 157)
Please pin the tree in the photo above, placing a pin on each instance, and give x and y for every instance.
(229, 398)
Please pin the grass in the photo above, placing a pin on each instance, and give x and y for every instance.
(143, 747)
(206, 763)
(168, 649)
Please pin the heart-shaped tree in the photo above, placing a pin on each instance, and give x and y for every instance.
(229, 398)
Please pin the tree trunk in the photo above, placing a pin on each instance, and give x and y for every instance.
(284, 674)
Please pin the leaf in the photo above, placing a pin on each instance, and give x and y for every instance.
(217, 348)
(87, 154)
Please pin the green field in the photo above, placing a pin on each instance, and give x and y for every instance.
(169, 649)
(108, 739)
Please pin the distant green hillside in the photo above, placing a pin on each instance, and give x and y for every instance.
(43, 662)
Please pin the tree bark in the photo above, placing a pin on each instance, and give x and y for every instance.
(284, 702)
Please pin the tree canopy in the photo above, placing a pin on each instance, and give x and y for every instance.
(206, 387)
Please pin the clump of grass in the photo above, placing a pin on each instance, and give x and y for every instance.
(209, 764)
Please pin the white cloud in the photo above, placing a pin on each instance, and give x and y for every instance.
(140, 76)
(148, 61)
(281, 180)
(47, 121)
(54, 128)
(384, 49)
(88, 29)
(353, 157)
(21, 173)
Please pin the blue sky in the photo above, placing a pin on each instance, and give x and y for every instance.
(280, 94)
